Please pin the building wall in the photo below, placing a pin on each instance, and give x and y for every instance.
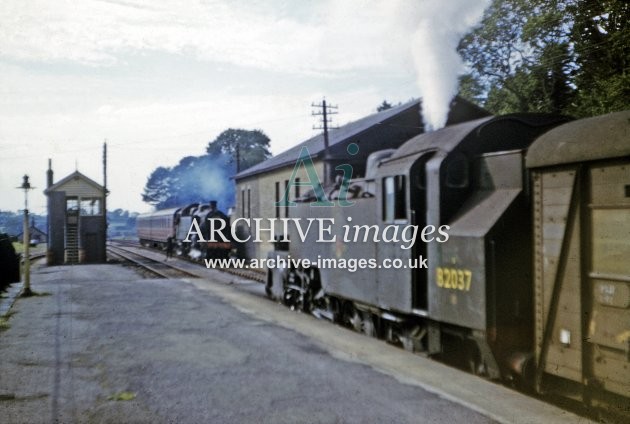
(91, 239)
(263, 195)
(391, 133)
(56, 227)
(78, 187)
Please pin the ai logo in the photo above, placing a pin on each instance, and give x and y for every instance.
(306, 161)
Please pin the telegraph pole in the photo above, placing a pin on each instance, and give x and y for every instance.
(325, 111)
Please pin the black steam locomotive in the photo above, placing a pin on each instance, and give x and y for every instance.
(155, 229)
(533, 282)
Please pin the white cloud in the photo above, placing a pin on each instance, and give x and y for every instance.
(159, 80)
(341, 36)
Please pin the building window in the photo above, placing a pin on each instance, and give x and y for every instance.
(277, 199)
(394, 205)
(90, 206)
(297, 188)
(286, 205)
(72, 204)
(243, 203)
(249, 203)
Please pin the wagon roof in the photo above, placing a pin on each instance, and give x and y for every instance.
(601, 137)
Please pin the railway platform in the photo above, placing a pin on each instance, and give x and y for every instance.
(102, 344)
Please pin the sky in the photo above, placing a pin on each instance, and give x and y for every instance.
(158, 80)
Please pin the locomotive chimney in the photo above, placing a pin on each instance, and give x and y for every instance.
(213, 205)
(49, 174)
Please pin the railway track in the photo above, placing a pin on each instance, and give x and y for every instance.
(150, 265)
(37, 256)
(258, 276)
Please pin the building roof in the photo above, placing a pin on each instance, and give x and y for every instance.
(33, 230)
(315, 144)
(75, 175)
(601, 137)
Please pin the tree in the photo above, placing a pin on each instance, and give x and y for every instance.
(207, 177)
(245, 147)
(601, 35)
(157, 189)
(519, 56)
(566, 56)
(384, 106)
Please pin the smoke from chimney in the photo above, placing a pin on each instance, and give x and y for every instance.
(438, 65)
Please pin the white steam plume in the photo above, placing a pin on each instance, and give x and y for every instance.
(442, 24)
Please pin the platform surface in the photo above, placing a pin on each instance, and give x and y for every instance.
(100, 344)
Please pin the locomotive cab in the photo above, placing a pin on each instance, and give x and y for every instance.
(479, 289)
(482, 274)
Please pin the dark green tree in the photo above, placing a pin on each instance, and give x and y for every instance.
(158, 187)
(207, 177)
(566, 56)
(601, 36)
(248, 147)
(519, 57)
(384, 106)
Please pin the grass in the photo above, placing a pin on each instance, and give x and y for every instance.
(122, 396)
(19, 248)
(4, 321)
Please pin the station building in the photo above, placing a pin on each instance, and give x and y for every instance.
(77, 226)
(259, 188)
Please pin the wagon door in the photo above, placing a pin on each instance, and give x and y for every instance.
(607, 347)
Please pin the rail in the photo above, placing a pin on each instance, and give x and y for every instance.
(154, 266)
(249, 274)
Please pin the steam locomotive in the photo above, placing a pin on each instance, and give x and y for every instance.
(154, 230)
(533, 283)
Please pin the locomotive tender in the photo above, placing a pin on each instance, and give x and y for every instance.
(533, 283)
(155, 228)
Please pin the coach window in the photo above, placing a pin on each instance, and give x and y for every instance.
(394, 207)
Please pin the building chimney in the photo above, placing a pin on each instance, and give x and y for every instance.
(49, 174)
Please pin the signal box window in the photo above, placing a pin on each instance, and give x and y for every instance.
(91, 206)
(394, 205)
(72, 204)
